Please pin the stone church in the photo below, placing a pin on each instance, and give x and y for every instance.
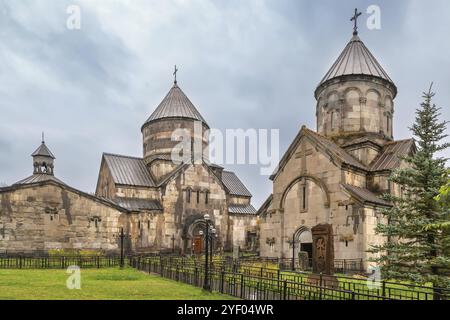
(335, 176)
(160, 203)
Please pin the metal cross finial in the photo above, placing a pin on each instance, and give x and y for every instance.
(175, 74)
(355, 19)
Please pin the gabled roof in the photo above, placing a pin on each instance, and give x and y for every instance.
(38, 177)
(176, 105)
(129, 171)
(356, 59)
(327, 145)
(51, 180)
(266, 205)
(365, 195)
(242, 209)
(43, 151)
(234, 185)
(362, 140)
(390, 156)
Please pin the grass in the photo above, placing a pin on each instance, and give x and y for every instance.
(96, 284)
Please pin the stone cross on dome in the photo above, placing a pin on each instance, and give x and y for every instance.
(355, 19)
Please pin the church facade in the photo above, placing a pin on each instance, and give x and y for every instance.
(160, 203)
(337, 174)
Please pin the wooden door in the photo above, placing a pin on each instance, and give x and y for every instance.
(197, 245)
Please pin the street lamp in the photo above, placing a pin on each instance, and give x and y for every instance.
(206, 284)
(122, 236)
(211, 246)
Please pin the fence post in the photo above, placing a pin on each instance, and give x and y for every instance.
(222, 279)
(384, 288)
(344, 267)
(196, 276)
(284, 289)
(242, 286)
(320, 286)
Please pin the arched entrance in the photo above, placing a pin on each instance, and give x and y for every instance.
(194, 241)
(197, 244)
(302, 248)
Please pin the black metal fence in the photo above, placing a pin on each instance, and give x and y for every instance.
(57, 262)
(253, 279)
(249, 282)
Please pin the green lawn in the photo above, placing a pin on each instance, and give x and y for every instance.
(97, 284)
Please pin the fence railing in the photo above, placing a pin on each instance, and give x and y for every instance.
(268, 283)
(247, 279)
(57, 262)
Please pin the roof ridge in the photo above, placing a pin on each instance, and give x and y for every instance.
(401, 140)
(122, 156)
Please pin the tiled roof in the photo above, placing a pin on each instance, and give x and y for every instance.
(234, 185)
(356, 59)
(44, 151)
(389, 158)
(176, 105)
(129, 171)
(365, 195)
(135, 204)
(242, 209)
(39, 177)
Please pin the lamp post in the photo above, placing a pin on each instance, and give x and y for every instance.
(206, 284)
(122, 237)
(293, 252)
(211, 245)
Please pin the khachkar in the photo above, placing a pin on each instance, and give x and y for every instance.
(323, 249)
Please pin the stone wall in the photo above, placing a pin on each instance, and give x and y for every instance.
(157, 135)
(325, 202)
(355, 105)
(241, 225)
(51, 216)
(180, 214)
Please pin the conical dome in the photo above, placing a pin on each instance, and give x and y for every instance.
(176, 105)
(356, 59)
(356, 96)
(43, 151)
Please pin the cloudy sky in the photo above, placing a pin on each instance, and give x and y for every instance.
(244, 64)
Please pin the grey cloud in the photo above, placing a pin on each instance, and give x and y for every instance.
(245, 64)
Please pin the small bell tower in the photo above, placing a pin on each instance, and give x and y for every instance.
(43, 159)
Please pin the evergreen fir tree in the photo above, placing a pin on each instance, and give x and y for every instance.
(417, 247)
